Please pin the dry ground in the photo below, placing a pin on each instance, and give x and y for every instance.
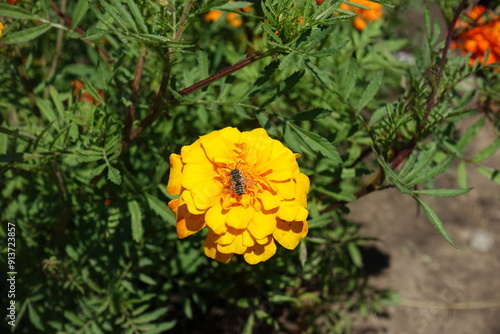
(443, 290)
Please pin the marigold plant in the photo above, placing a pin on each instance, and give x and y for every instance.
(271, 207)
(95, 95)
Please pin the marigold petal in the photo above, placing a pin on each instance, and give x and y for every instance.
(194, 154)
(286, 189)
(302, 214)
(231, 134)
(259, 253)
(174, 180)
(210, 248)
(186, 223)
(187, 198)
(288, 210)
(302, 188)
(248, 241)
(279, 169)
(174, 206)
(259, 148)
(229, 236)
(219, 149)
(216, 219)
(236, 247)
(239, 217)
(268, 200)
(206, 194)
(288, 234)
(196, 173)
(262, 225)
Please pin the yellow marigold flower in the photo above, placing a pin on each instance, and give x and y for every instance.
(1, 28)
(364, 16)
(246, 188)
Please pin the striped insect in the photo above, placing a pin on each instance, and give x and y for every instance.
(237, 180)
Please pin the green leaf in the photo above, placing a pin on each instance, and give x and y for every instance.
(285, 62)
(159, 40)
(303, 253)
(329, 51)
(162, 327)
(370, 91)
(462, 175)
(124, 14)
(434, 219)
(318, 74)
(56, 99)
(188, 310)
(319, 221)
(94, 33)
(73, 318)
(355, 254)
(98, 170)
(114, 175)
(112, 10)
(442, 192)
(378, 115)
(136, 220)
(161, 208)
(35, 318)
(93, 91)
(151, 316)
(470, 133)
(424, 159)
(349, 79)
(248, 329)
(312, 114)
(233, 5)
(47, 111)
(431, 173)
(147, 279)
(317, 143)
(15, 12)
(79, 13)
(487, 152)
(393, 177)
(72, 253)
(137, 16)
(490, 173)
(88, 158)
(285, 86)
(26, 35)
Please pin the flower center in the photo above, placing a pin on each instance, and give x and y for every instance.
(240, 182)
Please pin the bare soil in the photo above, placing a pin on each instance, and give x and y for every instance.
(443, 290)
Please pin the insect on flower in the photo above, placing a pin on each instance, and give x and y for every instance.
(238, 181)
(245, 188)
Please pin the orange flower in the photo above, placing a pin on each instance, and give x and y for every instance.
(85, 96)
(246, 188)
(1, 28)
(364, 16)
(477, 15)
(484, 36)
(234, 19)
